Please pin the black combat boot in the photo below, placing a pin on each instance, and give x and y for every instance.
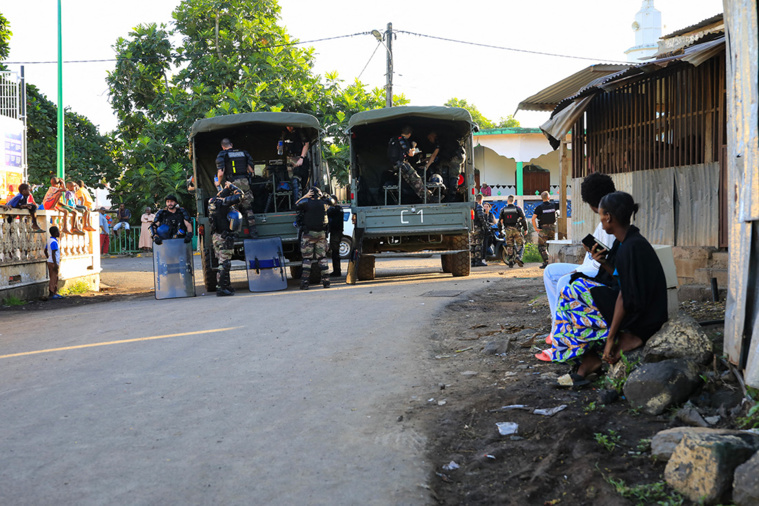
(325, 282)
(304, 284)
(224, 286)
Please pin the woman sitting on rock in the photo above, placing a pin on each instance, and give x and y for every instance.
(591, 317)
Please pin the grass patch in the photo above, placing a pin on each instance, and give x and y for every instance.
(650, 493)
(77, 288)
(608, 441)
(13, 301)
(618, 384)
(531, 253)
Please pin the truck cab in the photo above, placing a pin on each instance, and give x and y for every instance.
(272, 185)
(391, 219)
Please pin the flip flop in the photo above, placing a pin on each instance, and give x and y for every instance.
(572, 380)
(543, 356)
(549, 340)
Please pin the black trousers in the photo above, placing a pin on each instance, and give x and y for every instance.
(334, 247)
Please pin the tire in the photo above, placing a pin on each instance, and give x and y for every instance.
(461, 263)
(366, 271)
(345, 247)
(209, 275)
(445, 260)
(504, 255)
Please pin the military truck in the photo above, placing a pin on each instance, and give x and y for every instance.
(391, 219)
(259, 133)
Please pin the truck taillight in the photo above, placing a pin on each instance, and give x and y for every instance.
(472, 211)
(201, 230)
(472, 191)
(351, 196)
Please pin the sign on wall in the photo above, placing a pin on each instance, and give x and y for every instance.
(11, 156)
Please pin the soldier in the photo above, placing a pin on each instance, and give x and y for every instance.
(295, 146)
(512, 222)
(313, 244)
(446, 157)
(399, 150)
(234, 165)
(477, 240)
(225, 220)
(173, 222)
(335, 217)
(544, 221)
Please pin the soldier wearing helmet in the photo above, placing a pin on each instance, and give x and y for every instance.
(172, 222)
(225, 222)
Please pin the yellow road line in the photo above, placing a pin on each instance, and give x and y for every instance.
(108, 343)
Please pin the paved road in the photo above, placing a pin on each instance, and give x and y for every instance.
(278, 398)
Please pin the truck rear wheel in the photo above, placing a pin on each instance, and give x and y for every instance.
(365, 271)
(461, 263)
(445, 260)
(209, 275)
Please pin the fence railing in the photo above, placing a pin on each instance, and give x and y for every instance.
(128, 241)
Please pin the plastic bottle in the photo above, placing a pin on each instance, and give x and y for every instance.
(280, 147)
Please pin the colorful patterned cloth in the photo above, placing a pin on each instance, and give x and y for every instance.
(579, 324)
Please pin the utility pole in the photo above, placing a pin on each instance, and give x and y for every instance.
(61, 159)
(389, 46)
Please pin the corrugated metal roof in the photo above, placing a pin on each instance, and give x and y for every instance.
(549, 98)
(692, 28)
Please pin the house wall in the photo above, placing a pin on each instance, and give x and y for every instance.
(499, 169)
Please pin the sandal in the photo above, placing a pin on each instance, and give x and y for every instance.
(572, 380)
(543, 356)
(549, 340)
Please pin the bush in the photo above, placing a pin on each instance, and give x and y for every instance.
(531, 253)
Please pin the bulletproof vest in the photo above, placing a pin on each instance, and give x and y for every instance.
(217, 212)
(335, 215)
(546, 213)
(510, 215)
(315, 215)
(397, 149)
(175, 220)
(235, 163)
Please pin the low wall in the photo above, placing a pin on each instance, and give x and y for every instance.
(23, 269)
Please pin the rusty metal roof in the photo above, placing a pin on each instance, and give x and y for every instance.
(692, 28)
(549, 98)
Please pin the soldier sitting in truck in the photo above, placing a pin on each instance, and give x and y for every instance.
(399, 151)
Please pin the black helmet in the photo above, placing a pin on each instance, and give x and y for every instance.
(173, 197)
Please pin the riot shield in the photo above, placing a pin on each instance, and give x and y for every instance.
(265, 264)
(173, 269)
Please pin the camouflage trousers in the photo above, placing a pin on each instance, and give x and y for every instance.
(514, 242)
(545, 234)
(223, 254)
(476, 240)
(415, 181)
(313, 246)
(246, 201)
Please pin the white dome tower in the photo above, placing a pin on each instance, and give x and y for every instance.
(647, 28)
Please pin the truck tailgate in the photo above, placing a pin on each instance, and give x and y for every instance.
(453, 218)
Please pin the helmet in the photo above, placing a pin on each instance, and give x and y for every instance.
(284, 186)
(235, 220)
(437, 180)
(164, 231)
(173, 197)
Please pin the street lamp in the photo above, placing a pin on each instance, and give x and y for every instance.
(389, 47)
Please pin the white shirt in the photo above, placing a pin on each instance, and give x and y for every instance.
(589, 266)
(53, 251)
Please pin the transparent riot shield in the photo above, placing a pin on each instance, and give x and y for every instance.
(265, 264)
(173, 269)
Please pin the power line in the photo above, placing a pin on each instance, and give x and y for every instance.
(509, 48)
(370, 60)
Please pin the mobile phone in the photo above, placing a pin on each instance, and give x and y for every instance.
(590, 241)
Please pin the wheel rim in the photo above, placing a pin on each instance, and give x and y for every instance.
(345, 248)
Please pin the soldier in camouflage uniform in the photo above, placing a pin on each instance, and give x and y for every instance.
(544, 221)
(477, 238)
(512, 223)
(312, 217)
(223, 234)
(399, 150)
(235, 165)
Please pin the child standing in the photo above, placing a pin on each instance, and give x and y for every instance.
(53, 254)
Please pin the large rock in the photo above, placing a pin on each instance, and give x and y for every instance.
(746, 483)
(657, 386)
(663, 444)
(680, 337)
(702, 465)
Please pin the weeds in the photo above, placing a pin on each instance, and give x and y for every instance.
(650, 493)
(531, 253)
(13, 301)
(77, 288)
(593, 406)
(618, 383)
(608, 441)
(751, 420)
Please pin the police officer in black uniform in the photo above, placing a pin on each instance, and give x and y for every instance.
(545, 214)
(335, 216)
(236, 166)
(400, 150)
(296, 148)
(173, 222)
(312, 211)
(223, 229)
(512, 222)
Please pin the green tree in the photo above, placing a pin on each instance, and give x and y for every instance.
(479, 118)
(5, 39)
(88, 154)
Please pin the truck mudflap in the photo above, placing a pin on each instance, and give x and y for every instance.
(419, 219)
(265, 264)
(173, 269)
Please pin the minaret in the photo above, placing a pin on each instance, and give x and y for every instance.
(647, 28)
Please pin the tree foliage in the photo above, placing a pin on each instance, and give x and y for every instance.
(5, 39)
(479, 118)
(88, 154)
(233, 57)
